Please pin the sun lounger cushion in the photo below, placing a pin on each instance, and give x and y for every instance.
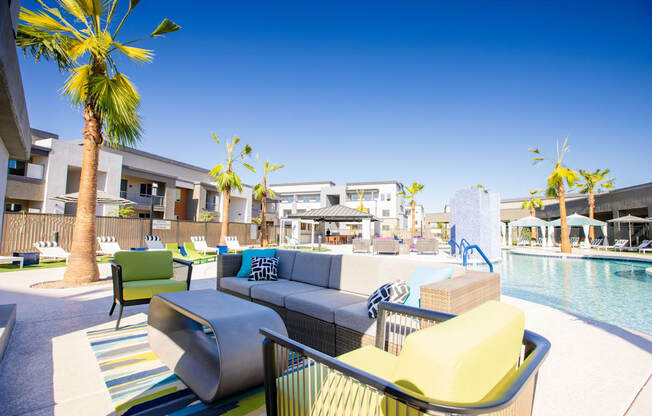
(247, 255)
(285, 263)
(423, 276)
(240, 285)
(312, 268)
(321, 304)
(276, 292)
(145, 289)
(136, 266)
(464, 358)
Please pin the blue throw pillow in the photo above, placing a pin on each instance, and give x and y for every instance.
(247, 255)
(423, 276)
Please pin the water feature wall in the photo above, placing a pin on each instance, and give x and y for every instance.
(475, 216)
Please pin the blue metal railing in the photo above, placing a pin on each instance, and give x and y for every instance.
(464, 243)
(475, 247)
(453, 245)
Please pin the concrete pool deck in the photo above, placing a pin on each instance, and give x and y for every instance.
(49, 368)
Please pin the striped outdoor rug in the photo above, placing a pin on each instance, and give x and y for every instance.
(139, 383)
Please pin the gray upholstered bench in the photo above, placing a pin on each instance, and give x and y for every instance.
(213, 368)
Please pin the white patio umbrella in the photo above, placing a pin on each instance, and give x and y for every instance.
(630, 219)
(103, 198)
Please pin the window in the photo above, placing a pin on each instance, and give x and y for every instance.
(143, 215)
(308, 198)
(286, 212)
(385, 213)
(145, 189)
(13, 207)
(177, 194)
(287, 198)
(389, 197)
(353, 197)
(123, 188)
(17, 167)
(385, 227)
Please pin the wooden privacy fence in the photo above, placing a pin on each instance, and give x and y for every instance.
(20, 231)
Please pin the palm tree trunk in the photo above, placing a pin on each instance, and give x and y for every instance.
(533, 230)
(591, 214)
(414, 205)
(224, 231)
(565, 236)
(82, 265)
(263, 223)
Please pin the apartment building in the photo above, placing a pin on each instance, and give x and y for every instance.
(178, 190)
(381, 198)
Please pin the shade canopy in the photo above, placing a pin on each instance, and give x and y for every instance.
(529, 221)
(103, 198)
(577, 220)
(334, 213)
(630, 219)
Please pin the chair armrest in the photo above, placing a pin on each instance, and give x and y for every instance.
(188, 264)
(228, 265)
(116, 276)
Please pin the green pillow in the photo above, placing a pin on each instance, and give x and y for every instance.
(423, 276)
(247, 255)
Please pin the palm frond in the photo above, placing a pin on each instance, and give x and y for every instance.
(137, 54)
(166, 26)
(49, 46)
(76, 86)
(248, 166)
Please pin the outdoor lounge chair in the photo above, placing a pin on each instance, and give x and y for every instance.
(598, 242)
(427, 245)
(361, 245)
(443, 378)
(176, 252)
(51, 250)
(618, 244)
(108, 246)
(139, 275)
(233, 244)
(386, 246)
(153, 242)
(292, 241)
(191, 251)
(523, 241)
(201, 246)
(575, 241)
(645, 244)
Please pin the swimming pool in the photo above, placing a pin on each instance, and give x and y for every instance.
(613, 291)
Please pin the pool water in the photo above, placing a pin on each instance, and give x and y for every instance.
(613, 291)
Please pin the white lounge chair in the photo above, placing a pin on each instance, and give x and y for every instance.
(618, 244)
(597, 243)
(523, 241)
(200, 244)
(154, 242)
(108, 246)
(575, 241)
(51, 250)
(645, 244)
(292, 241)
(233, 244)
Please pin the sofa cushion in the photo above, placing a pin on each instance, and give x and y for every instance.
(423, 276)
(355, 317)
(312, 268)
(285, 263)
(247, 255)
(321, 304)
(145, 289)
(240, 285)
(144, 265)
(470, 354)
(279, 290)
(372, 360)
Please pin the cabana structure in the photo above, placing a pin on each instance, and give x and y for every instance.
(528, 222)
(334, 213)
(630, 219)
(577, 220)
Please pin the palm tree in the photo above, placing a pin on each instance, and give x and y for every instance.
(226, 179)
(82, 39)
(531, 204)
(588, 182)
(410, 193)
(361, 198)
(261, 192)
(560, 176)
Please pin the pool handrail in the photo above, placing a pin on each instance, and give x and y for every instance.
(475, 247)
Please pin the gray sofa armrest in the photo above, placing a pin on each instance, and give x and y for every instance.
(228, 265)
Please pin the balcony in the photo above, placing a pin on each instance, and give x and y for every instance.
(144, 200)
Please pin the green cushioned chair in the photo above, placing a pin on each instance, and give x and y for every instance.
(139, 275)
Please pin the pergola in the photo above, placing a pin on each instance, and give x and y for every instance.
(526, 222)
(577, 220)
(334, 213)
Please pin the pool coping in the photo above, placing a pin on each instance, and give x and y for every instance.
(594, 256)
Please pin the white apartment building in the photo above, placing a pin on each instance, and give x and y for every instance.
(380, 198)
(54, 167)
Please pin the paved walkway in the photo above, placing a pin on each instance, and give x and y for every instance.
(49, 368)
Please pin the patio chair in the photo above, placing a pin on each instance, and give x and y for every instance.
(176, 251)
(108, 246)
(386, 246)
(201, 246)
(233, 244)
(645, 244)
(139, 275)
(292, 241)
(427, 245)
(361, 245)
(618, 244)
(575, 241)
(597, 243)
(416, 367)
(153, 242)
(523, 241)
(51, 250)
(191, 251)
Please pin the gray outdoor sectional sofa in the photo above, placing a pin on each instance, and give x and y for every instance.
(322, 298)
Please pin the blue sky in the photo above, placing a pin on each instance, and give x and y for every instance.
(450, 94)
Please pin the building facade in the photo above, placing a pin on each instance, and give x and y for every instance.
(381, 199)
(168, 188)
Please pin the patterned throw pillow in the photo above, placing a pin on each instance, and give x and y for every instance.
(264, 268)
(395, 292)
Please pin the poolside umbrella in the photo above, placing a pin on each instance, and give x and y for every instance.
(103, 198)
(630, 219)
